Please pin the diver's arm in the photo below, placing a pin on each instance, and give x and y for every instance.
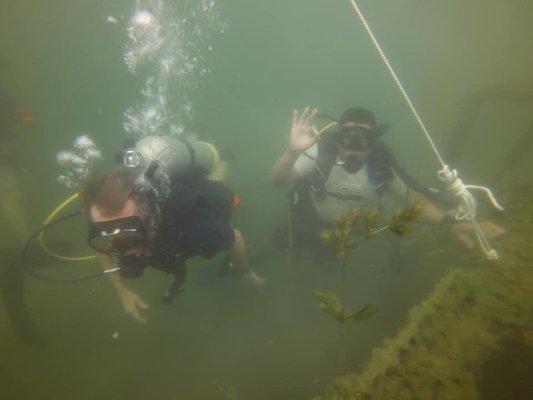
(303, 135)
(282, 171)
(116, 280)
(131, 301)
(462, 230)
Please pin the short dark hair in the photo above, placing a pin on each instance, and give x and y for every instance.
(109, 190)
(359, 115)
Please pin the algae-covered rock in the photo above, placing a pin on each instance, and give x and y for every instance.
(449, 341)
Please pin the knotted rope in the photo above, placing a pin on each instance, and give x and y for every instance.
(466, 208)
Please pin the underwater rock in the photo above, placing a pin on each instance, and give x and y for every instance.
(455, 340)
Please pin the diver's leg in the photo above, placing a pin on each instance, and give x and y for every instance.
(237, 257)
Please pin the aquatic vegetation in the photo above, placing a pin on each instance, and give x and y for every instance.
(472, 314)
(401, 220)
(341, 241)
(371, 222)
(340, 238)
(399, 223)
(331, 304)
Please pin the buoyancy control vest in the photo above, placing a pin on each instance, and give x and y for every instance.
(176, 186)
(381, 165)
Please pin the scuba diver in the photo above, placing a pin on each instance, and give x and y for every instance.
(159, 209)
(346, 168)
(15, 227)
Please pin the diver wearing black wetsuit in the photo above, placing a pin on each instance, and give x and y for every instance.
(133, 226)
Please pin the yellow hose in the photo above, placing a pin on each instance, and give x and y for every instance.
(48, 219)
(327, 127)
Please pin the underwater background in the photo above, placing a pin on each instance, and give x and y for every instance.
(64, 60)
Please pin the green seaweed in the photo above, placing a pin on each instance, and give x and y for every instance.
(371, 222)
(331, 304)
(341, 240)
(401, 220)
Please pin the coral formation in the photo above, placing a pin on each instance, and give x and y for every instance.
(441, 350)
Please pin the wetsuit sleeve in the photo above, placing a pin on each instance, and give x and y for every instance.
(305, 164)
(204, 235)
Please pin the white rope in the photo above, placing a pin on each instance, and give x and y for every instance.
(398, 82)
(467, 206)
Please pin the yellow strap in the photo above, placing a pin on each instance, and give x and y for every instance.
(48, 219)
(327, 127)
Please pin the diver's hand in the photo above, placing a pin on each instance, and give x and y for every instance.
(303, 133)
(132, 303)
(465, 234)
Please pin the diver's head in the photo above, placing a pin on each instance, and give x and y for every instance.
(358, 131)
(118, 224)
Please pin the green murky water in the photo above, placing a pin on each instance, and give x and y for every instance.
(63, 61)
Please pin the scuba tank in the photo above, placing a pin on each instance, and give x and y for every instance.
(166, 158)
(179, 173)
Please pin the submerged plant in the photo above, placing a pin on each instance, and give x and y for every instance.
(340, 239)
(399, 223)
(401, 220)
(331, 304)
(371, 221)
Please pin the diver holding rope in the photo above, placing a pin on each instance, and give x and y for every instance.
(465, 208)
(349, 167)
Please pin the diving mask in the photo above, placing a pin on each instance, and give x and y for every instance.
(356, 138)
(118, 235)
